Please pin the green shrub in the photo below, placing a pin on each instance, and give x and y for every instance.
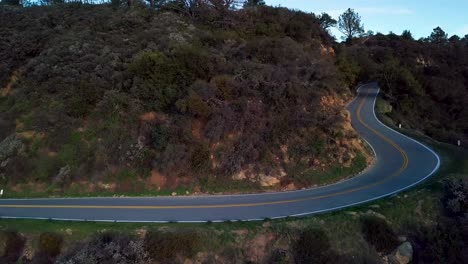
(197, 106)
(445, 242)
(313, 246)
(456, 198)
(167, 76)
(160, 136)
(200, 159)
(46, 167)
(14, 245)
(50, 243)
(165, 246)
(378, 233)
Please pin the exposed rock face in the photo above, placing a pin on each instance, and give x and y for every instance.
(239, 176)
(63, 175)
(9, 147)
(402, 255)
(267, 180)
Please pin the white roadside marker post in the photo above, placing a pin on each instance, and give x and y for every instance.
(399, 126)
(459, 143)
(1, 192)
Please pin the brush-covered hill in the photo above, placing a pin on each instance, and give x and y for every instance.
(424, 82)
(119, 100)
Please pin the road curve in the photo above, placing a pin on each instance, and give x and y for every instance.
(401, 163)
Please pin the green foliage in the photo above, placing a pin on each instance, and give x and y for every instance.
(166, 77)
(379, 234)
(349, 69)
(408, 69)
(444, 242)
(46, 167)
(200, 159)
(14, 245)
(197, 106)
(252, 3)
(349, 23)
(456, 197)
(125, 88)
(326, 21)
(160, 136)
(438, 36)
(50, 243)
(107, 248)
(313, 246)
(165, 246)
(82, 100)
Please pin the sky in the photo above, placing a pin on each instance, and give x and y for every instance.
(418, 16)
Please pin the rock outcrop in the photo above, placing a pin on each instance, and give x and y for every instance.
(9, 147)
(402, 254)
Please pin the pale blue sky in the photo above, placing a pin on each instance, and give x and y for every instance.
(418, 16)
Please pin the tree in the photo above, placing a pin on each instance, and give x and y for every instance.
(407, 35)
(454, 39)
(326, 21)
(349, 23)
(438, 36)
(12, 2)
(250, 3)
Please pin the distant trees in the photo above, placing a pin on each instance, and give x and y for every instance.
(12, 2)
(326, 21)
(438, 36)
(249, 3)
(407, 35)
(349, 23)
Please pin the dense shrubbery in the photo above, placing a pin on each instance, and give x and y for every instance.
(313, 246)
(445, 241)
(14, 245)
(456, 198)
(165, 247)
(379, 234)
(107, 248)
(220, 97)
(425, 81)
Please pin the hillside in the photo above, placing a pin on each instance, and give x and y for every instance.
(424, 82)
(101, 99)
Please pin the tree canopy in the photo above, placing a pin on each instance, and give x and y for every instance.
(326, 21)
(349, 23)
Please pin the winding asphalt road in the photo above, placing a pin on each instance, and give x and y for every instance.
(401, 163)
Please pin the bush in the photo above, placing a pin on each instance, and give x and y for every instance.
(456, 198)
(200, 159)
(160, 136)
(166, 77)
(445, 242)
(107, 248)
(162, 246)
(313, 246)
(50, 243)
(14, 246)
(378, 233)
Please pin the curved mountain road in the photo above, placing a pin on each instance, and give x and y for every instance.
(401, 163)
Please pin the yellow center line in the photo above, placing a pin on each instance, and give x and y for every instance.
(358, 112)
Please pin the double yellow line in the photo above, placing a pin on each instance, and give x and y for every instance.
(358, 112)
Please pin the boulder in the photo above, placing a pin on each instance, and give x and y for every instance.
(267, 180)
(239, 176)
(402, 255)
(63, 176)
(373, 213)
(9, 147)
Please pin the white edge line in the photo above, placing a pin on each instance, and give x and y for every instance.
(276, 217)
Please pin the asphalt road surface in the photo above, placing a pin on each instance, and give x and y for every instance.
(401, 163)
